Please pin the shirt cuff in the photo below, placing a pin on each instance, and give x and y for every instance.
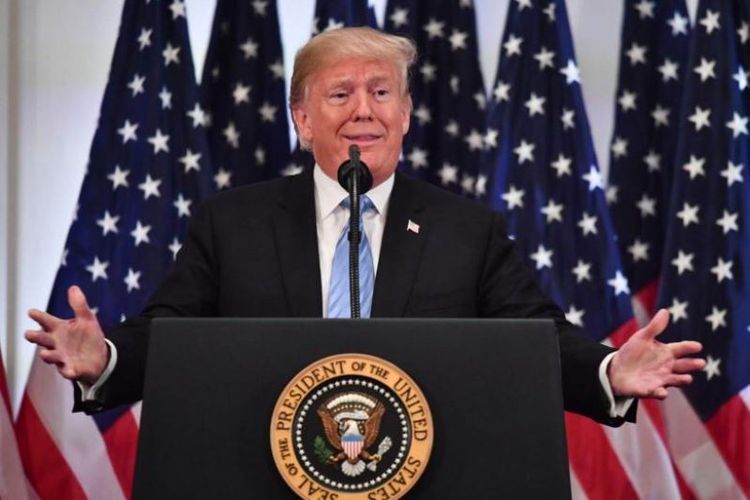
(618, 407)
(89, 392)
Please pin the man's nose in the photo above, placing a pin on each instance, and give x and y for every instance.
(362, 107)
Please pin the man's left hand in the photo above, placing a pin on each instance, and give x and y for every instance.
(644, 367)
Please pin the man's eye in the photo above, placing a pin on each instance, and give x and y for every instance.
(338, 96)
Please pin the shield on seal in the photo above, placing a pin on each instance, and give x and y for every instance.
(352, 445)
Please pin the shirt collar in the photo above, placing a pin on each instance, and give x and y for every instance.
(329, 194)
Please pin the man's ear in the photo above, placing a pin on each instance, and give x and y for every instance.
(302, 121)
(406, 108)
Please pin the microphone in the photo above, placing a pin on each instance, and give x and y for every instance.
(355, 177)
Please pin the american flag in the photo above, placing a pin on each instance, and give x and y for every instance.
(706, 263)
(653, 65)
(243, 92)
(332, 14)
(447, 133)
(12, 478)
(148, 168)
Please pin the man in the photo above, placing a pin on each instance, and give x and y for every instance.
(269, 250)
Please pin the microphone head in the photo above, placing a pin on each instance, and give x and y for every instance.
(355, 167)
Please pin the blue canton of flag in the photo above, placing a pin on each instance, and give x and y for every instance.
(148, 169)
(332, 14)
(706, 265)
(653, 64)
(447, 132)
(243, 92)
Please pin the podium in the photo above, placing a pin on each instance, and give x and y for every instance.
(493, 387)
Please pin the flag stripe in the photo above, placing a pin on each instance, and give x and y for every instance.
(12, 478)
(121, 440)
(730, 429)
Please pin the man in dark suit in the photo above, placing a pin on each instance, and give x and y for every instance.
(267, 250)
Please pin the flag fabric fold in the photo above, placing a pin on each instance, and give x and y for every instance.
(12, 477)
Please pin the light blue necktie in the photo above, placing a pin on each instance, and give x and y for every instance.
(339, 304)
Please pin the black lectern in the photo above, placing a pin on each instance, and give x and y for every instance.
(493, 387)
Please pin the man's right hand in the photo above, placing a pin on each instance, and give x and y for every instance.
(76, 346)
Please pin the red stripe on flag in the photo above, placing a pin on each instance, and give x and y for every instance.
(4, 387)
(730, 430)
(624, 332)
(48, 472)
(597, 467)
(647, 296)
(121, 440)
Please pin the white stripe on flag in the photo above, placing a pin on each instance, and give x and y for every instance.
(136, 411)
(745, 395)
(576, 490)
(12, 478)
(76, 435)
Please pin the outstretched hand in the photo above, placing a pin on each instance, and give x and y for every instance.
(76, 346)
(644, 367)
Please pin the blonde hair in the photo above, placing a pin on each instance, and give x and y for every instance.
(343, 43)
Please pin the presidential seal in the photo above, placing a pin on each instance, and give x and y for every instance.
(351, 426)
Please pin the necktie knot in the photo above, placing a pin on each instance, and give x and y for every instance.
(365, 204)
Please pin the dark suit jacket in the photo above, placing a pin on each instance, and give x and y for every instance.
(252, 252)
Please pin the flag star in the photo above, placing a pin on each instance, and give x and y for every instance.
(567, 118)
(400, 17)
(481, 100)
(144, 39)
(706, 69)
(199, 117)
(679, 24)
(738, 125)
(434, 29)
(480, 186)
(502, 91)
(668, 70)
(64, 258)
(182, 205)
(452, 128)
(728, 222)
(418, 158)
(695, 167)
(717, 318)
(260, 155)
(454, 84)
(712, 367)
(468, 184)
(575, 316)
(542, 257)
(178, 9)
(232, 135)
(448, 174)
(722, 270)
(594, 178)
(653, 161)
(525, 151)
(619, 147)
(646, 205)
(119, 178)
(549, 11)
(582, 271)
(683, 262)
(171, 54)
(744, 32)
(627, 100)
(552, 211)
(660, 116)
(535, 104)
(513, 197)
(490, 138)
(710, 21)
(267, 112)
(223, 179)
(637, 54)
(465, 4)
(688, 214)
(458, 39)
(150, 187)
(131, 280)
(513, 45)
(561, 165)
(742, 77)
(619, 283)
(588, 224)
(474, 140)
(140, 233)
(645, 9)
(422, 114)
(108, 223)
(128, 131)
(333, 24)
(165, 96)
(700, 118)
(190, 160)
(678, 310)
(175, 247)
(249, 48)
(639, 250)
(292, 169)
(277, 69)
(259, 7)
(544, 57)
(571, 72)
(136, 84)
(522, 4)
(611, 194)
(733, 173)
(241, 93)
(429, 71)
(98, 269)
(159, 141)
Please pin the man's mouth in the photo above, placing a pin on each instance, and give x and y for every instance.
(362, 139)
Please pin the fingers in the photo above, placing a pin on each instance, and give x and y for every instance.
(77, 301)
(40, 338)
(688, 365)
(657, 325)
(685, 348)
(50, 356)
(45, 320)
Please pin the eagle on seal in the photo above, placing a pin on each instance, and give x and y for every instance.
(351, 422)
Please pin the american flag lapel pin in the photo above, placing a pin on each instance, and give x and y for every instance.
(412, 226)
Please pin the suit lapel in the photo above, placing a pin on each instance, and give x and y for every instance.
(297, 245)
(401, 250)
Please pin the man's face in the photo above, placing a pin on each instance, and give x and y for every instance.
(355, 101)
